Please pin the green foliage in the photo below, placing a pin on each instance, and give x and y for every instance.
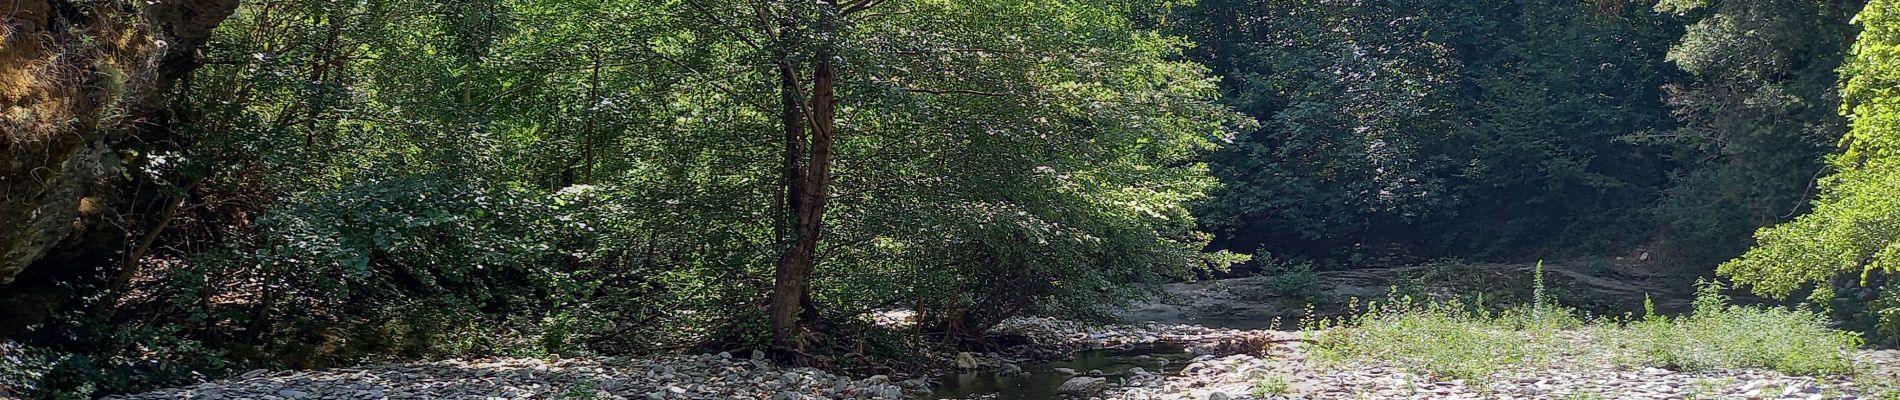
(1059, 191)
(1456, 341)
(1284, 278)
(1442, 127)
(404, 179)
(1449, 340)
(1272, 385)
(1854, 228)
(143, 356)
(399, 179)
(1754, 122)
(1443, 340)
(1297, 281)
(1720, 335)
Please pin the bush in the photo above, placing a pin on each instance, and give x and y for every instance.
(1462, 341)
(1441, 339)
(1284, 278)
(1719, 335)
(1449, 339)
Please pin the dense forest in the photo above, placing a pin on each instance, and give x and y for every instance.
(196, 188)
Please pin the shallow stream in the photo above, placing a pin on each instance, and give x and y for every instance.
(1040, 381)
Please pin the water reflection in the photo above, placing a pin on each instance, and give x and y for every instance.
(1042, 380)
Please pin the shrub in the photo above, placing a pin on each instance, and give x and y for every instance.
(1444, 340)
(1719, 335)
(1272, 386)
(1462, 341)
(1448, 339)
(1284, 278)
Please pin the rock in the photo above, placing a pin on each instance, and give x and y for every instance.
(886, 391)
(1193, 367)
(711, 376)
(758, 355)
(1095, 372)
(918, 384)
(1011, 369)
(1082, 386)
(966, 361)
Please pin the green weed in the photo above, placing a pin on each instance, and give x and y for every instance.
(1447, 340)
(1719, 335)
(1272, 386)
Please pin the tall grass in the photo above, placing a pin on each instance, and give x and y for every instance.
(1464, 341)
(1720, 335)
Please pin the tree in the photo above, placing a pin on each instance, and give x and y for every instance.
(1755, 121)
(1854, 228)
(1441, 128)
(938, 87)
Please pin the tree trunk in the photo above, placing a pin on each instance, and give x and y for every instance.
(788, 284)
(593, 105)
(807, 192)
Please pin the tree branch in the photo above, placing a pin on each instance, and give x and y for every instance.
(975, 50)
(958, 91)
(722, 23)
(716, 85)
(859, 5)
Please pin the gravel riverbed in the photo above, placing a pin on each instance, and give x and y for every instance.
(1287, 373)
(711, 376)
(1283, 373)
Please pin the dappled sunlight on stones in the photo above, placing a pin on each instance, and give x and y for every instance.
(1285, 372)
(1581, 373)
(687, 377)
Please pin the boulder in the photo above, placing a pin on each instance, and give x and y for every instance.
(887, 391)
(966, 361)
(1082, 386)
(1011, 369)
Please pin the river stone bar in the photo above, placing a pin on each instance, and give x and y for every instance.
(1206, 376)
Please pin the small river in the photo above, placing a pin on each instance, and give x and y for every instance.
(1040, 381)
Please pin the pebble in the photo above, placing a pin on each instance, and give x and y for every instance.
(658, 378)
(1211, 375)
(1219, 376)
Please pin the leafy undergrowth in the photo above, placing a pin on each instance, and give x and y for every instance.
(1450, 340)
(1720, 335)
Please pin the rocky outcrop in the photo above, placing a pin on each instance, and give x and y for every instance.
(82, 83)
(64, 71)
